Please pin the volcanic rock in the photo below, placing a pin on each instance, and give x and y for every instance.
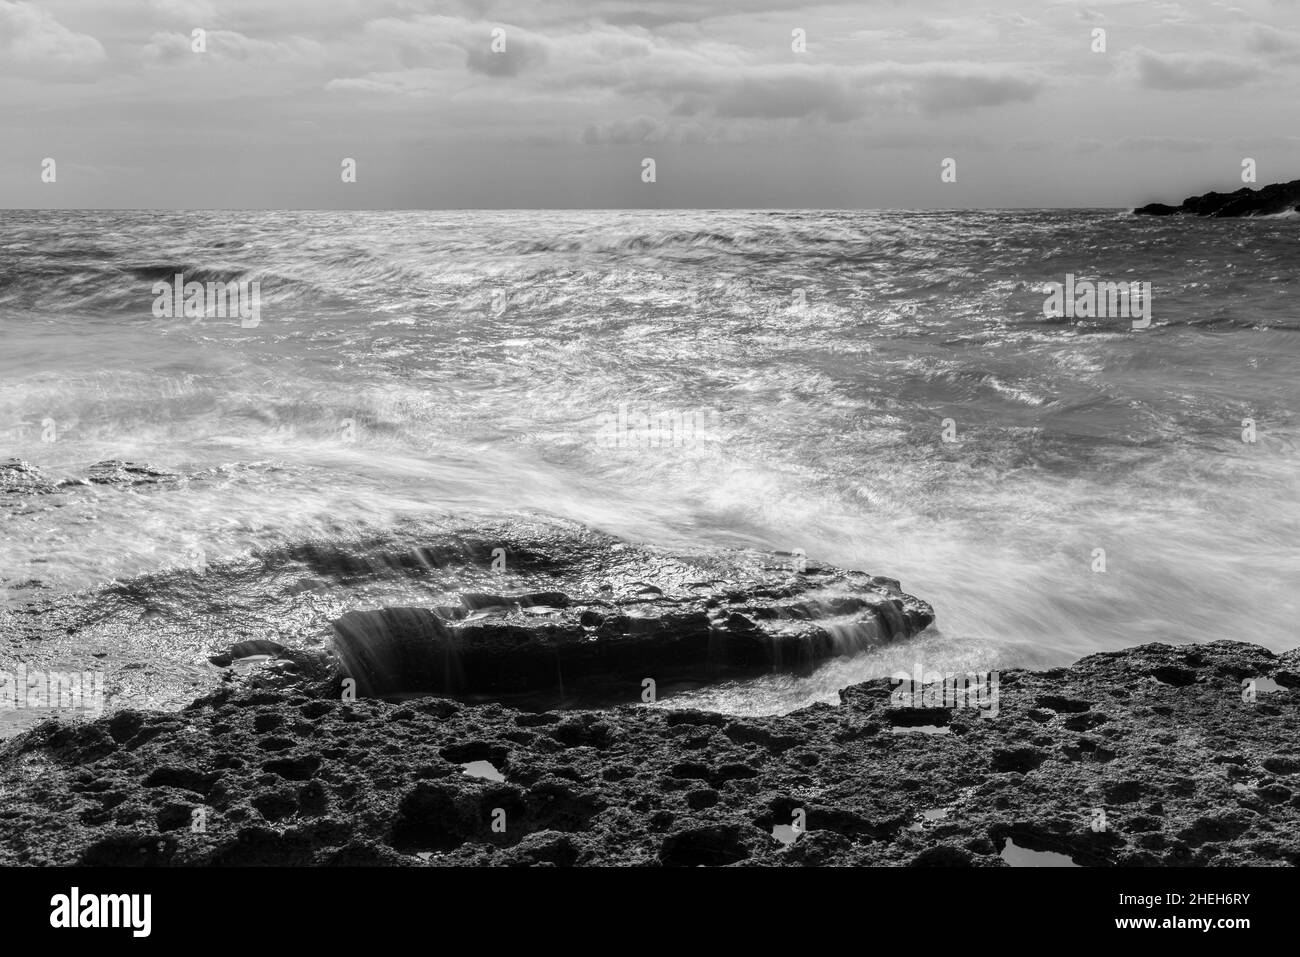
(1266, 201)
(1105, 762)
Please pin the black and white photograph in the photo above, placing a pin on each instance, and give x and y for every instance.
(440, 437)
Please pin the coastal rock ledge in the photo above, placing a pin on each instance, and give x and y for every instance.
(1155, 755)
(1266, 201)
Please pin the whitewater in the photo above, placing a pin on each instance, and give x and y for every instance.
(878, 390)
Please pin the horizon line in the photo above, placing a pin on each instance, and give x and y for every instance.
(553, 209)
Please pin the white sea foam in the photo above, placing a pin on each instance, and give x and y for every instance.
(331, 417)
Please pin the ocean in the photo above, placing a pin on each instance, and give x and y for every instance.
(881, 390)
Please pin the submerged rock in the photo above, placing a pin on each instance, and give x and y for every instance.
(1266, 201)
(1107, 762)
(20, 477)
(485, 608)
(119, 473)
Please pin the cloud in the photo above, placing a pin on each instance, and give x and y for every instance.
(1264, 142)
(227, 45)
(441, 42)
(779, 95)
(402, 82)
(196, 11)
(33, 41)
(655, 14)
(969, 29)
(585, 81)
(950, 88)
(1270, 40)
(783, 91)
(1191, 71)
(511, 61)
(645, 129)
(1170, 144)
(714, 77)
(639, 129)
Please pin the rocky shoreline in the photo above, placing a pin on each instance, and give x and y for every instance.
(1155, 755)
(1269, 200)
(506, 719)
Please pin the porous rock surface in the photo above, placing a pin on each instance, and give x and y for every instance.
(1186, 764)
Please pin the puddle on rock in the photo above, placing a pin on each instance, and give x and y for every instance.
(482, 769)
(1018, 856)
(931, 814)
(923, 728)
(784, 833)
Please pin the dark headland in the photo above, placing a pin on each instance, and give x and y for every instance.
(1266, 201)
(1149, 756)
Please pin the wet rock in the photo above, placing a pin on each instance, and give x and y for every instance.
(117, 472)
(248, 649)
(710, 845)
(18, 477)
(705, 617)
(373, 782)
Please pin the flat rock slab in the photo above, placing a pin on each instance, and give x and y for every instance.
(523, 606)
(1157, 755)
(620, 614)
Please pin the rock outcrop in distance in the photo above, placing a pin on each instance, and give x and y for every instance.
(1266, 201)
(1156, 755)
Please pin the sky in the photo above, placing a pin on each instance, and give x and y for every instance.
(731, 107)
